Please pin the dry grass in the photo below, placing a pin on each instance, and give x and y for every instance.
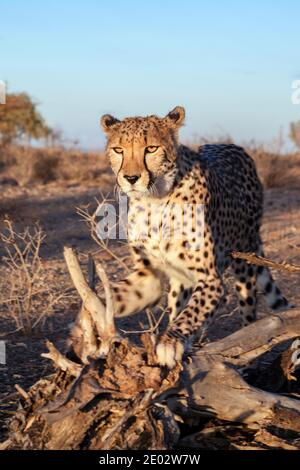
(277, 170)
(28, 165)
(26, 292)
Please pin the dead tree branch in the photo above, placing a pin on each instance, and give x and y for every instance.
(246, 344)
(253, 258)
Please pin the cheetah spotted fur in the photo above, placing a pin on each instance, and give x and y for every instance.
(151, 167)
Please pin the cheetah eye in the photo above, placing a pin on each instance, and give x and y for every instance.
(118, 150)
(151, 149)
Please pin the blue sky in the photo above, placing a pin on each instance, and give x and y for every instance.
(230, 63)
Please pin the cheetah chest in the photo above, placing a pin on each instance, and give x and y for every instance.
(150, 231)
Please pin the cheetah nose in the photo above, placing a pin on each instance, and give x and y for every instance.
(132, 178)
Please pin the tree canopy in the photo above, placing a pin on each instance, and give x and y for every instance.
(19, 118)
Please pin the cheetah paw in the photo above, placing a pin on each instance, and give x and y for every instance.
(169, 351)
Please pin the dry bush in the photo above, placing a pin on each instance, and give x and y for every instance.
(28, 164)
(76, 165)
(25, 289)
(43, 165)
(295, 133)
(199, 140)
(277, 170)
(7, 156)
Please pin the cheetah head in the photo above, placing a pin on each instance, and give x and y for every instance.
(143, 150)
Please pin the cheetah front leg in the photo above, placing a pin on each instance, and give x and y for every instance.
(202, 306)
(139, 290)
(178, 296)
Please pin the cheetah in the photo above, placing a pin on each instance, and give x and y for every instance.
(154, 170)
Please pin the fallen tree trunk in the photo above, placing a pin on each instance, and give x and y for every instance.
(110, 394)
(215, 387)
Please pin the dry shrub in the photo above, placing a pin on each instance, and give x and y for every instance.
(25, 290)
(277, 170)
(28, 164)
(7, 157)
(43, 165)
(2, 161)
(200, 140)
(76, 165)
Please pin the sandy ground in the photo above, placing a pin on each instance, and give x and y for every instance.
(55, 207)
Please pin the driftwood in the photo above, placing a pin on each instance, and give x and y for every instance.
(110, 394)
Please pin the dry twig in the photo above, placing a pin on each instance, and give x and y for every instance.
(253, 258)
(103, 243)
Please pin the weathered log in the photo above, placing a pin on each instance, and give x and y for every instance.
(111, 394)
(215, 388)
(214, 385)
(246, 344)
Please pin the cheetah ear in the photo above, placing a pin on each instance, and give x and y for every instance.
(175, 117)
(108, 122)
